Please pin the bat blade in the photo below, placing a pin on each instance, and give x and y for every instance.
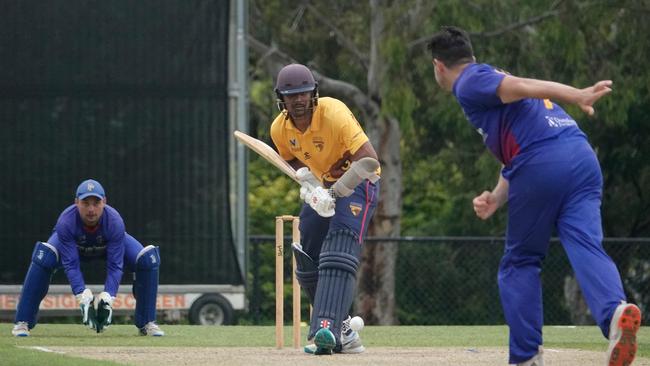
(267, 152)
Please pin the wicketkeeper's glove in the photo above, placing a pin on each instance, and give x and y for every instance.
(104, 315)
(86, 304)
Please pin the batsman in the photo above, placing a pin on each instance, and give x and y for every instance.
(91, 230)
(338, 170)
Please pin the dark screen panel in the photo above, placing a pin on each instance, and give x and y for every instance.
(133, 94)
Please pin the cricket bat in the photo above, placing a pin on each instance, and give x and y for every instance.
(267, 153)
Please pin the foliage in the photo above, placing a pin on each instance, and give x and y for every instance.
(271, 194)
(444, 162)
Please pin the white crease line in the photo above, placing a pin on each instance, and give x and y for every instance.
(43, 349)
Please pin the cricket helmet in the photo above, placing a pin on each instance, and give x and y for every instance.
(294, 79)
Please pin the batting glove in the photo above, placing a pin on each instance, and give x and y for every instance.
(322, 201)
(307, 181)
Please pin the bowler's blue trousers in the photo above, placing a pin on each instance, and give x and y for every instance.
(558, 186)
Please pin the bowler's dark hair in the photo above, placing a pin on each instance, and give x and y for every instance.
(452, 46)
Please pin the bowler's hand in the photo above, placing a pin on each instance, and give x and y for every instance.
(485, 204)
(591, 94)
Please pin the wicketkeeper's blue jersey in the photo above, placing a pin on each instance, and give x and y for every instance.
(79, 241)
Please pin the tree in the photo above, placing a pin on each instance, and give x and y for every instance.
(371, 56)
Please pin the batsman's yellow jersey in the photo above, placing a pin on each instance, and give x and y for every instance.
(327, 145)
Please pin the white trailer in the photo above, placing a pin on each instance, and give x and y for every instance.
(202, 304)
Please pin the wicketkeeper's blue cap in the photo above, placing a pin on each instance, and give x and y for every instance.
(90, 187)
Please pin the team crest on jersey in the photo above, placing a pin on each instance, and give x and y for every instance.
(319, 143)
(355, 208)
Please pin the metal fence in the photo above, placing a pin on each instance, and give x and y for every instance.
(453, 280)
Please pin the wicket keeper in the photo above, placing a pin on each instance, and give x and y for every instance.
(91, 230)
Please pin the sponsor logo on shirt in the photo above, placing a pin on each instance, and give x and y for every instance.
(338, 168)
(557, 122)
(319, 143)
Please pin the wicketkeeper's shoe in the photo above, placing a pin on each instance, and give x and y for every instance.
(537, 360)
(151, 329)
(21, 329)
(350, 340)
(324, 341)
(622, 335)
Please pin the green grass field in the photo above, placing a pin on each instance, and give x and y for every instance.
(11, 352)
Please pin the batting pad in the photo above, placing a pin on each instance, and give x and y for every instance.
(306, 271)
(337, 275)
(45, 259)
(145, 286)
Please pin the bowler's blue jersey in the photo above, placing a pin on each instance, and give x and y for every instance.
(78, 241)
(513, 128)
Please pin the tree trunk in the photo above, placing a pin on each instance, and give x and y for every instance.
(575, 302)
(375, 300)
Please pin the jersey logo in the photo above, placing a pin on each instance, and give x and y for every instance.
(355, 208)
(294, 145)
(559, 121)
(319, 143)
(307, 155)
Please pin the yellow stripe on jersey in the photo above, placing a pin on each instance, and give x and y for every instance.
(548, 104)
(325, 147)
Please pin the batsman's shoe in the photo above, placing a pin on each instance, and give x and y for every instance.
(324, 341)
(538, 360)
(21, 329)
(350, 340)
(151, 329)
(310, 348)
(622, 335)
